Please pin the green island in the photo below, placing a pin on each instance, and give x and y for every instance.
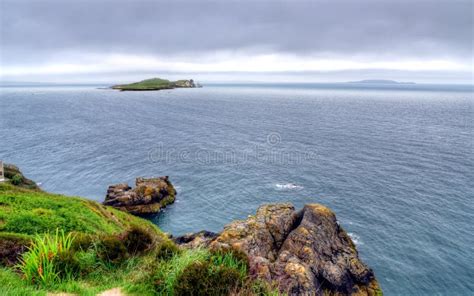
(156, 84)
(52, 244)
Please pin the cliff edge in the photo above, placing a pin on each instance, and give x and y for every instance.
(301, 252)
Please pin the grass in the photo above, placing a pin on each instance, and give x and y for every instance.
(29, 212)
(148, 84)
(68, 244)
(38, 264)
(13, 285)
(152, 84)
(168, 272)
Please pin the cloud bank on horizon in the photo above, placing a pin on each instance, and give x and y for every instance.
(85, 41)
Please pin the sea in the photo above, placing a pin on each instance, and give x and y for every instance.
(394, 162)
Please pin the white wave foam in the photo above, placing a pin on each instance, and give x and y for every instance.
(355, 238)
(288, 186)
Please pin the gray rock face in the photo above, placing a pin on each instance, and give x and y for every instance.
(303, 253)
(148, 197)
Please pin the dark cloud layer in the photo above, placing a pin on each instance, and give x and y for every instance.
(42, 29)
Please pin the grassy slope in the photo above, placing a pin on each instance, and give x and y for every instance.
(28, 212)
(25, 212)
(148, 84)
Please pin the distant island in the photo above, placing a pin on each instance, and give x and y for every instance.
(380, 81)
(156, 84)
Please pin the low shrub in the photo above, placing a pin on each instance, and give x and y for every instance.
(167, 272)
(82, 241)
(166, 250)
(231, 258)
(88, 261)
(17, 179)
(11, 247)
(38, 264)
(67, 264)
(203, 278)
(199, 272)
(137, 240)
(111, 249)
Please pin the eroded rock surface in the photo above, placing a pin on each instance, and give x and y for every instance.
(149, 196)
(195, 240)
(303, 253)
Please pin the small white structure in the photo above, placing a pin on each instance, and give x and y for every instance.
(2, 174)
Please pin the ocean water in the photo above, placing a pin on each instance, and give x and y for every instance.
(396, 164)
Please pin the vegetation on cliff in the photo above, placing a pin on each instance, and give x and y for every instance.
(55, 243)
(155, 84)
(16, 177)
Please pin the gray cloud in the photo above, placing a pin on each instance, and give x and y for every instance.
(41, 30)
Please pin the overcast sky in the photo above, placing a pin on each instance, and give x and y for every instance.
(87, 41)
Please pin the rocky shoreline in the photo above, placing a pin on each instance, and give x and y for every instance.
(302, 252)
(149, 196)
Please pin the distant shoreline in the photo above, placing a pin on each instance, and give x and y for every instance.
(380, 81)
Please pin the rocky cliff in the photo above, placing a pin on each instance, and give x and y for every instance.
(149, 196)
(16, 177)
(302, 252)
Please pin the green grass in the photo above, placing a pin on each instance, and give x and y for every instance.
(38, 264)
(148, 84)
(168, 272)
(24, 211)
(67, 238)
(13, 285)
(154, 84)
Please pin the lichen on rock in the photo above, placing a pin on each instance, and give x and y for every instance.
(149, 196)
(304, 252)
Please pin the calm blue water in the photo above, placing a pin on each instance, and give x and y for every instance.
(395, 164)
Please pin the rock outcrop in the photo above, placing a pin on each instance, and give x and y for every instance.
(148, 197)
(201, 239)
(303, 253)
(184, 83)
(16, 177)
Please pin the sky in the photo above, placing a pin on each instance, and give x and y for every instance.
(425, 41)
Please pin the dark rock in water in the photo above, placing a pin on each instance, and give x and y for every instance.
(194, 240)
(305, 252)
(149, 196)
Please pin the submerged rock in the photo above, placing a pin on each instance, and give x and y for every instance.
(304, 253)
(149, 196)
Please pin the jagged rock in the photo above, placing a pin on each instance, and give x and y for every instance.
(305, 252)
(195, 240)
(184, 83)
(149, 196)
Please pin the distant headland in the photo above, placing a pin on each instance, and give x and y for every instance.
(156, 84)
(380, 81)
